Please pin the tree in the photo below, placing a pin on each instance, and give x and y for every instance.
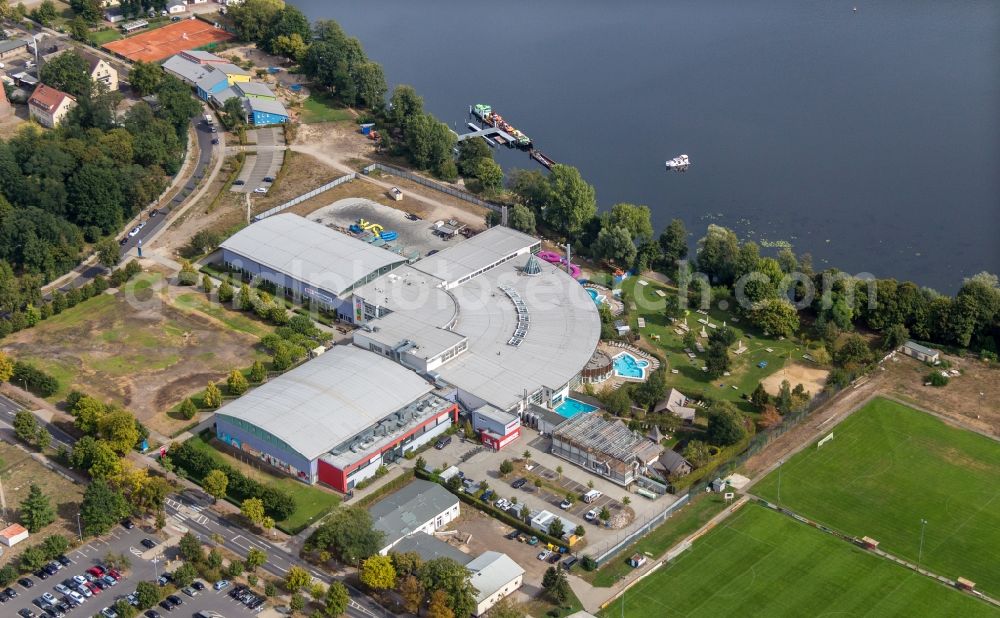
(572, 202)
(769, 417)
(257, 372)
(556, 528)
(43, 438)
(725, 424)
(215, 483)
(45, 13)
(717, 360)
(187, 409)
(521, 218)
(147, 594)
(371, 84)
(378, 573)
(674, 242)
(108, 252)
(185, 574)
(291, 46)
(637, 220)
(605, 514)
(190, 549)
(490, 175)
(853, 352)
(105, 463)
(6, 367)
(118, 428)
(296, 579)
(506, 467)
(525, 511)
(237, 382)
(759, 396)
(212, 397)
(453, 579)
(429, 141)
(412, 593)
(253, 510)
(554, 583)
(55, 545)
(405, 104)
(615, 245)
(336, 599)
(256, 558)
(776, 316)
(102, 508)
(145, 77)
(698, 453)
(7, 574)
(438, 605)
(67, 72)
(25, 426)
(717, 252)
(36, 510)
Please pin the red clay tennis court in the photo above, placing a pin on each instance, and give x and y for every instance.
(164, 42)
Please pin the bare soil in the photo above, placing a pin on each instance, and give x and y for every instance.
(813, 379)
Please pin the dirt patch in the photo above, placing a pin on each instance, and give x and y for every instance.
(812, 379)
(146, 355)
(969, 398)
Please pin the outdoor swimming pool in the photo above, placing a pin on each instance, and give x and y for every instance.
(571, 407)
(598, 298)
(628, 366)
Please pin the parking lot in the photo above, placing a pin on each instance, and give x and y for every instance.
(266, 163)
(146, 565)
(415, 235)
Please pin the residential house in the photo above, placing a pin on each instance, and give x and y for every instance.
(676, 403)
(673, 464)
(494, 576)
(176, 7)
(101, 71)
(421, 506)
(49, 106)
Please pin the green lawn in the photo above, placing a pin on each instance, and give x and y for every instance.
(319, 108)
(684, 522)
(690, 379)
(889, 466)
(105, 35)
(761, 563)
(196, 301)
(311, 503)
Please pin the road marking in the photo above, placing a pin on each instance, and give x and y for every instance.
(280, 568)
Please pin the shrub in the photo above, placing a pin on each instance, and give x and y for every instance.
(936, 378)
(36, 380)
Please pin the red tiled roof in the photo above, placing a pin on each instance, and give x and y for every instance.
(48, 98)
(12, 530)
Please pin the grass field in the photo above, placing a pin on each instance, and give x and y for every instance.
(105, 35)
(889, 466)
(688, 519)
(761, 563)
(318, 108)
(690, 379)
(311, 503)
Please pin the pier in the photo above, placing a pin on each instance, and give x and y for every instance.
(487, 133)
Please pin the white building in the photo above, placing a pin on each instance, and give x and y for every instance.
(543, 519)
(13, 534)
(420, 507)
(494, 576)
(921, 353)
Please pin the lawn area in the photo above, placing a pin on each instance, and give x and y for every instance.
(759, 562)
(688, 519)
(889, 466)
(690, 380)
(311, 503)
(320, 108)
(195, 301)
(105, 35)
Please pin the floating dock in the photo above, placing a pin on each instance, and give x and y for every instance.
(541, 158)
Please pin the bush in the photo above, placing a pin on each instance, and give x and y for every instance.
(36, 380)
(936, 378)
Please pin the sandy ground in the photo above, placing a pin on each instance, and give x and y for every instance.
(413, 235)
(812, 378)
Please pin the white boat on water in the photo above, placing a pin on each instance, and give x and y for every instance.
(679, 161)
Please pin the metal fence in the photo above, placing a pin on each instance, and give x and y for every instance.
(642, 530)
(304, 197)
(462, 195)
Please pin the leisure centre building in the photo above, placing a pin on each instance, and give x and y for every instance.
(483, 326)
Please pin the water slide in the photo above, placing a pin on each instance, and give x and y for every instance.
(554, 258)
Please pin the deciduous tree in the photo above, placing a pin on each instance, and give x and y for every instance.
(378, 573)
(237, 382)
(215, 483)
(296, 579)
(102, 508)
(336, 599)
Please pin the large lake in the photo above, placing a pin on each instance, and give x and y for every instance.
(869, 138)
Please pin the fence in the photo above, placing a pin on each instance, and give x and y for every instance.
(642, 530)
(462, 195)
(304, 197)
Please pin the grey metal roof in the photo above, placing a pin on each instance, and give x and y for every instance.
(254, 88)
(309, 252)
(185, 69)
(921, 348)
(476, 253)
(224, 95)
(495, 414)
(329, 399)
(491, 571)
(267, 106)
(401, 513)
(429, 547)
(204, 56)
(12, 44)
(231, 69)
(210, 78)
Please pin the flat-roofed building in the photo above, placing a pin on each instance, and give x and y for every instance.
(607, 448)
(496, 428)
(421, 507)
(336, 418)
(494, 576)
(307, 260)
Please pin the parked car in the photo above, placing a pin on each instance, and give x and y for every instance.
(148, 543)
(565, 504)
(48, 598)
(25, 613)
(107, 612)
(26, 582)
(128, 524)
(84, 591)
(544, 555)
(63, 560)
(76, 596)
(111, 581)
(197, 585)
(239, 182)
(555, 557)
(533, 540)
(176, 600)
(513, 535)
(519, 483)
(96, 571)
(9, 593)
(591, 515)
(568, 563)
(151, 613)
(42, 574)
(260, 190)
(268, 178)
(188, 590)
(116, 574)
(442, 442)
(61, 589)
(221, 584)
(79, 579)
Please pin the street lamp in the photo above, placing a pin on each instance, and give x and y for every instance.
(920, 553)
(79, 529)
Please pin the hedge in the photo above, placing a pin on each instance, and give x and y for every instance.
(492, 511)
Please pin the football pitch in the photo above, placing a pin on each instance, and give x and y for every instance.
(887, 468)
(759, 562)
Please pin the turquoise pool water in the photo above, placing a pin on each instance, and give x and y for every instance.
(598, 299)
(628, 366)
(571, 407)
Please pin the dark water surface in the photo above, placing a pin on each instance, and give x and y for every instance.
(870, 139)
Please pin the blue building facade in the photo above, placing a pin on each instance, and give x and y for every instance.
(263, 118)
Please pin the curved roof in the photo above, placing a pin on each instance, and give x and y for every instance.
(329, 399)
(311, 253)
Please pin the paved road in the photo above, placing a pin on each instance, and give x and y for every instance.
(185, 509)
